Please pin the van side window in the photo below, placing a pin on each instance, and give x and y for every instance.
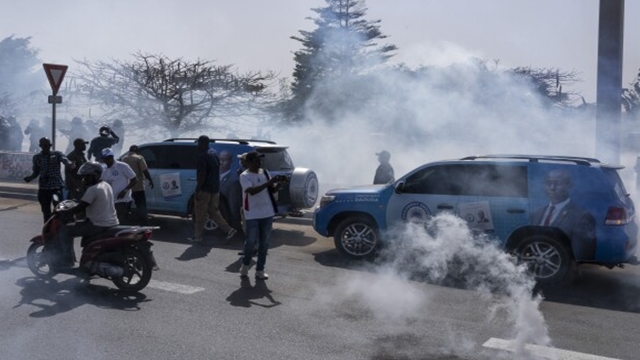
(151, 154)
(178, 157)
(494, 180)
(469, 180)
(436, 180)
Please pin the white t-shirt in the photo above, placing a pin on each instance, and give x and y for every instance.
(101, 210)
(256, 206)
(118, 176)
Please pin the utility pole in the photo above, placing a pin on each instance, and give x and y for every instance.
(609, 87)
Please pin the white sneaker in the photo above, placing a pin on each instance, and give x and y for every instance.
(195, 239)
(262, 275)
(244, 270)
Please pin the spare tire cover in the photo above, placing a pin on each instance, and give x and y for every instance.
(303, 188)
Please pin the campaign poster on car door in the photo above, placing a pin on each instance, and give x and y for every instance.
(170, 185)
(477, 215)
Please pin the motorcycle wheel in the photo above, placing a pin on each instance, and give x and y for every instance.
(38, 262)
(137, 272)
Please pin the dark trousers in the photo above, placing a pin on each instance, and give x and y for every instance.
(122, 211)
(140, 199)
(45, 198)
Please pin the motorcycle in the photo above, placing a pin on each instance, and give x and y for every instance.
(121, 254)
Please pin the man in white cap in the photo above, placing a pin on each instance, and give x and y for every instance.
(122, 179)
(384, 172)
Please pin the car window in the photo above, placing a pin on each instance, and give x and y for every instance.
(278, 160)
(618, 186)
(169, 157)
(180, 157)
(470, 180)
(151, 154)
(432, 180)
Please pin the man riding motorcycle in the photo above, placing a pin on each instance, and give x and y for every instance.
(98, 202)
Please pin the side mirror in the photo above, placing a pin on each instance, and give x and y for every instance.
(399, 187)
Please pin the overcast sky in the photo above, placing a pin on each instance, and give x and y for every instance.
(254, 34)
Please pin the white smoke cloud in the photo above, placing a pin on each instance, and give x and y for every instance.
(444, 251)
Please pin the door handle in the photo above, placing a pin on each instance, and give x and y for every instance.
(515, 211)
(445, 206)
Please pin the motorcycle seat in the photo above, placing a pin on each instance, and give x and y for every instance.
(110, 232)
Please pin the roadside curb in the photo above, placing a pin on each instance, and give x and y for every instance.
(16, 190)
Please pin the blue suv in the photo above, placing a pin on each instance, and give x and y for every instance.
(552, 212)
(172, 166)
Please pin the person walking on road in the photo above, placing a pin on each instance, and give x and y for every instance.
(122, 179)
(139, 166)
(46, 165)
(207, 195)
(259, 209)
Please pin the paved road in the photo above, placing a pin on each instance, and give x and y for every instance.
(317, 305)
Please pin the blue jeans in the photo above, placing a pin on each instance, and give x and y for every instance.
(258, 230)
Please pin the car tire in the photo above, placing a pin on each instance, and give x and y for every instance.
(303, 188)
(549, 259)
(357, 237)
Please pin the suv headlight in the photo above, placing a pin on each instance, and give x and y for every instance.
(326, 199)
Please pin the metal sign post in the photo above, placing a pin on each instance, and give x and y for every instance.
(55, 74)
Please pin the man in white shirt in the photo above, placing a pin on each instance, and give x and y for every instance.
(97, 202)
(259, 208)
(122, 179)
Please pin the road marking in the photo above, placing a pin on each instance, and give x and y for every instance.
(167, 286)
(543, 351)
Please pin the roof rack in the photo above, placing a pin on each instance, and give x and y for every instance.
(536, 158)
(239, 141)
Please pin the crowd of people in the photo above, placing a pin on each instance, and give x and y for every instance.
(102, 187)
(105, 191)
(12, 134)
(122, 183)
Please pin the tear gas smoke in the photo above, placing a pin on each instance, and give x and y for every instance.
(443, 251)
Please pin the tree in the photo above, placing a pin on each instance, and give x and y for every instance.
(549, 84)
(631, 98)
(174, 94)
(343, 46)
(18, 73)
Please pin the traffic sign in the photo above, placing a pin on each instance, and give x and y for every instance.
(55, 74)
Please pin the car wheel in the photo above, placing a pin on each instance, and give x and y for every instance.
(357, 237)
(303, 188)
(548, 259)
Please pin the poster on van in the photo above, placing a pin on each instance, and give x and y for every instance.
(170, 185)
(477, 215)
